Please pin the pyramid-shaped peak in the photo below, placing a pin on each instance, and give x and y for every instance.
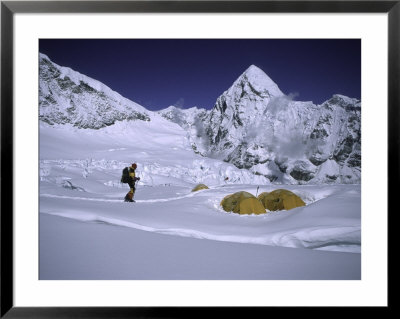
(260, 80)
(254, 69)
(254, 73)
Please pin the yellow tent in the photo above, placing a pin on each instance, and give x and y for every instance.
(280, 199)
(199, 187)
(242, 203)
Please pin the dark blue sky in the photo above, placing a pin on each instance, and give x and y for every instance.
(158, 73)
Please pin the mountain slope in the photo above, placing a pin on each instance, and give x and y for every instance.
(66, 96)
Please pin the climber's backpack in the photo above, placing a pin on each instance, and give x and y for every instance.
(125, 175)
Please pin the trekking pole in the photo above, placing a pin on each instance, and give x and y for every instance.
(257, 190)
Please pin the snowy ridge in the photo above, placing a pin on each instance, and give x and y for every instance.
(77, 78)
(66, 96)
(331, 238)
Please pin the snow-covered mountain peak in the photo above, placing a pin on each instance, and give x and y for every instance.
(173, 108)
(253, 125)
(254, 73)
(255, 81)
(170, 108)
(344, 101)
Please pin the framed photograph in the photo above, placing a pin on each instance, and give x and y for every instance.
(165, 157)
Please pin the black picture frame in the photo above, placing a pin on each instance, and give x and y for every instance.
(9, 8)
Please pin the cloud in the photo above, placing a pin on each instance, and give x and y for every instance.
(280, 103)
(180, 103)
(201, 133)
(199, 126)
(291, 145)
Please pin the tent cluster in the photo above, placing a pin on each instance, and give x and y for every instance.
(246, 203)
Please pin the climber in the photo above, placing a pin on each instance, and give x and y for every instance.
(129, 177)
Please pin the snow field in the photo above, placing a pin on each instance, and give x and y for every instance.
(174, 209)
(80, 192)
